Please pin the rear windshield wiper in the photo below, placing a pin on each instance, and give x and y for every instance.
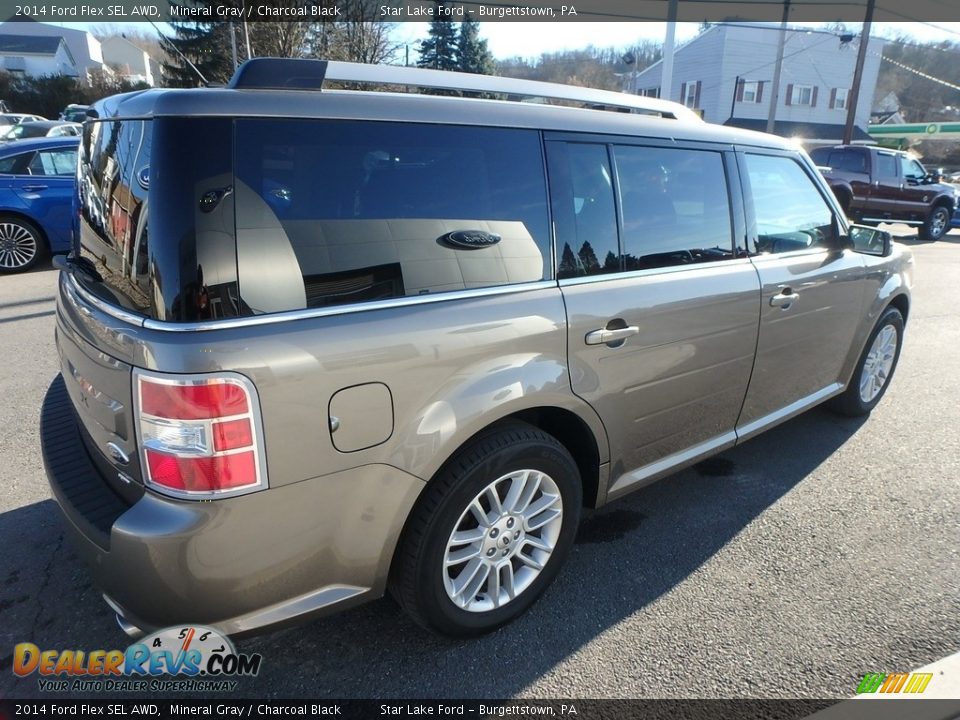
(79, 266)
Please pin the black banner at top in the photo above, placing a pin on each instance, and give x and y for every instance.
(66, 11)
(519, 709)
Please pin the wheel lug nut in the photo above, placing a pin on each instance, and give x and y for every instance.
(505, 552)
(491, 552)
(510, 523)
(516, 535)
(494, 532)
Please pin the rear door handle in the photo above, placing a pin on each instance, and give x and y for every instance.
(605, 337)
(784, 299)
(33, 188)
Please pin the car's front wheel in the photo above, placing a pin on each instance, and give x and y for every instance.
(937, 224)
(490, 533)
(875, 368)
(21, 244)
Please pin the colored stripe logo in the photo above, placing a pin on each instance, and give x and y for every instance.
(894, 683)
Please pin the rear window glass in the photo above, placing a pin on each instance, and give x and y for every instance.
(333, 212)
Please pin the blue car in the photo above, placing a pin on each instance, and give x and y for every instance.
(36, 200)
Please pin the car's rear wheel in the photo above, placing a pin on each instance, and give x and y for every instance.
(937, 224)
(875, 368)
(490, 533)
(21, 244)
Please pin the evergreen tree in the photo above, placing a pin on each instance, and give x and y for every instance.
(205, 44)
(473, 55)
(439, 49)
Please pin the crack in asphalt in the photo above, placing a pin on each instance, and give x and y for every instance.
(41, 605)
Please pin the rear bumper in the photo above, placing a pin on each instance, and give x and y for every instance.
(242, 564)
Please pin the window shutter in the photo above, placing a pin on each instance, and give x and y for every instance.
(696, 95)
(833, 98)
(683, 93)
(789, 94)
(760, 91)
(813, 99)
(740, 84)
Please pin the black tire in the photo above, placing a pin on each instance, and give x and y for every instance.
(22, 244)
(851, 402)
(418, 576)
(937, 225)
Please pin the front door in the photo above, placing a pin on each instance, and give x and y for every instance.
(662, 313)
(812, 291)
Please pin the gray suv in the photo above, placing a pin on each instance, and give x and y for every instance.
(320, 343)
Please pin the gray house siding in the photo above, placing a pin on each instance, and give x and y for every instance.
(723, 54)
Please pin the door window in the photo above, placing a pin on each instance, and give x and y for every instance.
(886, 167)
(675, 206)
(790, 213)
(912, 170)
(54, 162)
(585, 219)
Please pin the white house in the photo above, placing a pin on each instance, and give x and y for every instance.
(36, 56)
(129, 61)
(83, 47)
(726, 72)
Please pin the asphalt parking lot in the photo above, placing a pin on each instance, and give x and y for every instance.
(787, 567)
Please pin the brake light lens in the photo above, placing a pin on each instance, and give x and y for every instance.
(201, 435)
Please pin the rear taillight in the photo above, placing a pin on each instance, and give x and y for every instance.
(201, 436)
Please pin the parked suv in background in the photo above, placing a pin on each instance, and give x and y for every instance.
(318, 343)
(877, 185)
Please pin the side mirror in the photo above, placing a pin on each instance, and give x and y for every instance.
(870, 241)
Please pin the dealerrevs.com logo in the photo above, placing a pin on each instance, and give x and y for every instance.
(198, 658)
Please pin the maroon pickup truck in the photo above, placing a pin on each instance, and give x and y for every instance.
(877, 185)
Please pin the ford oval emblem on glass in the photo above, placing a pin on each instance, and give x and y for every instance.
(470, 239)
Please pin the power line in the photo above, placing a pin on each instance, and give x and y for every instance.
(919, 73)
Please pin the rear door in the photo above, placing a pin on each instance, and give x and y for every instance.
(662, 311)
(812, 292)
(45, 186)
(885, 200)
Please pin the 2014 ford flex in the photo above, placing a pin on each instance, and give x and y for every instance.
(317, 343)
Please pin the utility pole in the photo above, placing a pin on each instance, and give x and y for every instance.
(233, 43)
(858, 74)
(775, 90)
(666, 75)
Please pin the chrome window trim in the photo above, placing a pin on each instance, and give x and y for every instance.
(631, 274)
(74, 289)
(291, 315)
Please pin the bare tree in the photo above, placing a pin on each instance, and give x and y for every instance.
(359, 37)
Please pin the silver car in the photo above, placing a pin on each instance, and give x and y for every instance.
(319, 343)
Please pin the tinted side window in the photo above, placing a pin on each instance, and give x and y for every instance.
(585, 219)
(886, 166)
(848, 161)
(790, 212)
(675, 206)
(340, 212)
(14, 164)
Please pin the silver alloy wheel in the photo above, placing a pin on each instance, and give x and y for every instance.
(938, 222)
(18, 246)
(879, 361)
(503, 540)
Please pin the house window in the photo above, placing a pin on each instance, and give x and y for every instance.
(840, 98)
(690, 93)
(653, 92)
(802, 95)
(750, 94)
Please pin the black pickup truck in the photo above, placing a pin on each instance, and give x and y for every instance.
(877, 185)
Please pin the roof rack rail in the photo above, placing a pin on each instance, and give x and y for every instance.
(299, 74)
